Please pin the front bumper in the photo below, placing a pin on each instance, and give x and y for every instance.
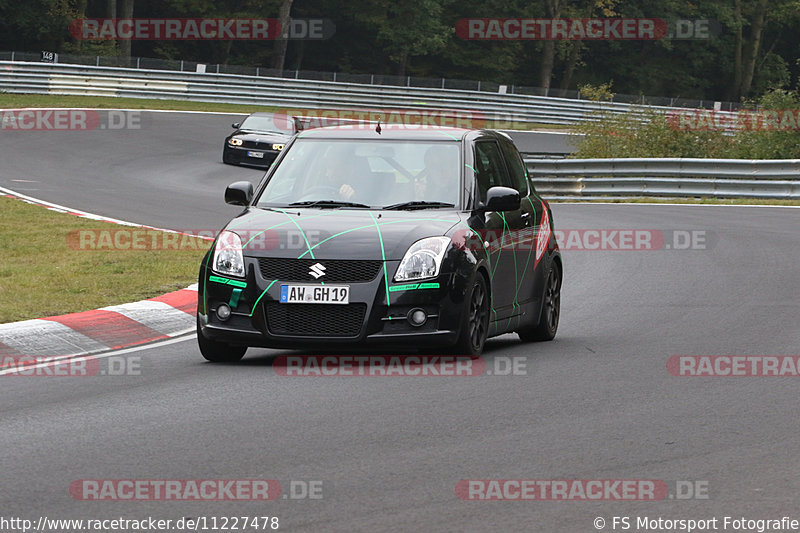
(238, 155)
(255, 306)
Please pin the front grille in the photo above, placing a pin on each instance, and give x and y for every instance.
(315, 320)
(336, 271)
(258, 145)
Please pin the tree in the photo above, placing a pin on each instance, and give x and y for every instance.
(282, 42)
(127, 13)
(412, 28)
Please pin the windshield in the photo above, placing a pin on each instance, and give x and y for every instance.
(369, 173)
(276, 123)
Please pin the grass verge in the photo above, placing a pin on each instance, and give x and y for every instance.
(45, 271)
(11, 101)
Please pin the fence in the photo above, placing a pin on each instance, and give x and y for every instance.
(669, 177)
(369, 79)
(498, 109)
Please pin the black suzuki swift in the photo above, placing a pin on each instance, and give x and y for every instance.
(428, 237)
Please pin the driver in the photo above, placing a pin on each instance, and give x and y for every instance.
(438, 181)
(344, 175)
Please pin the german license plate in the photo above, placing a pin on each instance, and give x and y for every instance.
(315, 294)
(257, 155)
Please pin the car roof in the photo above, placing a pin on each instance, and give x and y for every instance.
(388, 131)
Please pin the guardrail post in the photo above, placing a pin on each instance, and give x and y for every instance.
(138, 62)
(408, 81)
(12, 56)
(296, 74)
(258, 70)
(97, 61)
(372, 79)
(181, 65)
(334, 76)
(442, 83)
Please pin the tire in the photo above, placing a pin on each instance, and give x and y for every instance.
(475, 321)
(547, 327)
(218, 352)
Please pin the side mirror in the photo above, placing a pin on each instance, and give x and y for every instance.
(239, 193)
(236, 125)
(502, 199)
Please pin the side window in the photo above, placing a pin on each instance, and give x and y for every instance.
(516, 168)
(489, 167)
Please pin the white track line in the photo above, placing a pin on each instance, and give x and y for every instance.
(53, 361)
(92, 216)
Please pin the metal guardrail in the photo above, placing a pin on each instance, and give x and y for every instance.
(368, 79)
(499, 110)
(668, 177)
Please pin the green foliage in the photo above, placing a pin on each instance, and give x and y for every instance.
(597, 93)
(417, 38)
(645, 133)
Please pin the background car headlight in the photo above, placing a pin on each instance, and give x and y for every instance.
(423, 259)
(228, 257)
(235, 142)
(278, 147)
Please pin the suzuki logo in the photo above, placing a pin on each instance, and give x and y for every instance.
(317, 270)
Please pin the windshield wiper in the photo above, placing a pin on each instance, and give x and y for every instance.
(327, 203)
(417, 204)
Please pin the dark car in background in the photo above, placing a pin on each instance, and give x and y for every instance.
(258, 139)
(433, 238)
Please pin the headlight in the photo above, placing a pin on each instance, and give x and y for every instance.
(277, 147)
(423, 259)
(235, 142)
(228, 255)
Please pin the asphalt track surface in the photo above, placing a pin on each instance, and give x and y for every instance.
(596, 403)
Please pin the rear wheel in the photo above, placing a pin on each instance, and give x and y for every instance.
(475, 324)
(218, 352)
(546, 329)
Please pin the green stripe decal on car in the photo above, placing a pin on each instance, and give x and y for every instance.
(235, 295)
(409, 287)
(253, 310)
(226, 281)
(413, 286)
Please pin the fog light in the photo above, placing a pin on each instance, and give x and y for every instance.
(223, 312)
(417, 317)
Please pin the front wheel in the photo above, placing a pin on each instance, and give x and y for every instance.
(475, 324)
(218, 352)
(546, 329)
